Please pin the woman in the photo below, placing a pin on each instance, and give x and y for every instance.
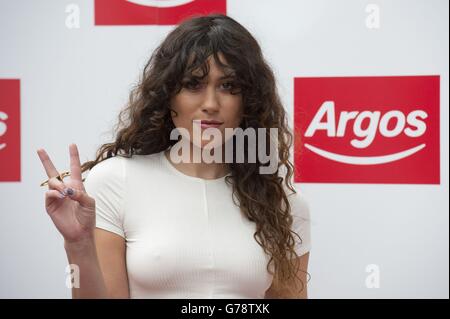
(144, 225)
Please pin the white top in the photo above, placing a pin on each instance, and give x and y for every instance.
(185, 238)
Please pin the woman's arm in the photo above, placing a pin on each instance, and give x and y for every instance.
(84, 257)
(99, 255)
(294, 290)
(111, 251)
(101, 264)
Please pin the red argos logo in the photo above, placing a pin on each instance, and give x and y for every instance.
(153, 12)
(9, 130)
(367, 129)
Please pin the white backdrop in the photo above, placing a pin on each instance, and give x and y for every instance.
(73, 81)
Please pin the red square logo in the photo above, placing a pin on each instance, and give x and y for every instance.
(9, 130)
(382, 129)
(153, 12)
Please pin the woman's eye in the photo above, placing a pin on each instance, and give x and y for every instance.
(229, 85)
(232, 87)
(192, 85)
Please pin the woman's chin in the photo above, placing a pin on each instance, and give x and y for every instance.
(209, 146)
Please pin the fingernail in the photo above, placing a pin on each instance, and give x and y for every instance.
(69, 191)
(61, 195)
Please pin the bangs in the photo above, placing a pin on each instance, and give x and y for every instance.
(203, 48)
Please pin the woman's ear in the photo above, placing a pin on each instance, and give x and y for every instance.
(173, 113)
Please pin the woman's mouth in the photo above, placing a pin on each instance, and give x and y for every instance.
(210, 123)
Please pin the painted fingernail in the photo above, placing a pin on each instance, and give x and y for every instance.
(69, 191)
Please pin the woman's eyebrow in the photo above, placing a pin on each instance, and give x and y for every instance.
(194, 76)
(227, 76)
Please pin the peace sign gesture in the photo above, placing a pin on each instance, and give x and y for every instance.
(71, 209)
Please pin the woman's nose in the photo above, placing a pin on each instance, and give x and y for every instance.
(211, 101)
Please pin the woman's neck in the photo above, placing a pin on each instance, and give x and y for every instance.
(201, 170)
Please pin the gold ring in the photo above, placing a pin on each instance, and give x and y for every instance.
(59, 177)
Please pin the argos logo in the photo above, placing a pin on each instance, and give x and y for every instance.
(367, 129)
(9, 130)
(365, 136)
(153, 12)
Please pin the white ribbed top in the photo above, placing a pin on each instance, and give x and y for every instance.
(185, 237)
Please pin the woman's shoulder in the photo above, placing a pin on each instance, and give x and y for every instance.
(109, 165)
(299, 204)
(301, 222)
(107, 171)
(117, 165)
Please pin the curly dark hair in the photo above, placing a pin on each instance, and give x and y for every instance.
(144, 125)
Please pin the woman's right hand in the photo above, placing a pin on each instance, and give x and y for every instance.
(71, 209)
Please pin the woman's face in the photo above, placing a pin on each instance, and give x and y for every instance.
(209, 98)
